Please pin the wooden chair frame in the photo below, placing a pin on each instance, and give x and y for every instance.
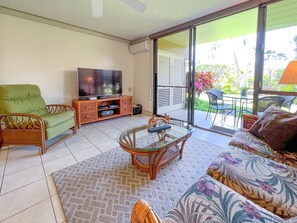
(29, 129)
(143, 213)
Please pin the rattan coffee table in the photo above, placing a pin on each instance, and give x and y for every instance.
(150, 151)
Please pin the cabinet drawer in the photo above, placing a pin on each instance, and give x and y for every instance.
(88, 116)
(127, 101)
(127, 110)
(89, 106)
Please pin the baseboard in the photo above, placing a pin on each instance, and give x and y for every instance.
(149, 113)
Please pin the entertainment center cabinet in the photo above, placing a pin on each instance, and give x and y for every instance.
(101, 109)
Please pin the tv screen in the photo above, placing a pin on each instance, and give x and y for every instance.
(96, 82)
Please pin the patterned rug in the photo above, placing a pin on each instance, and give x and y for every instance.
(105, 188)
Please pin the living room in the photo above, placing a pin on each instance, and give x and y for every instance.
(40, 49)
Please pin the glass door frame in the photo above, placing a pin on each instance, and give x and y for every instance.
(191, 26)
(259, 66)
(189, 79)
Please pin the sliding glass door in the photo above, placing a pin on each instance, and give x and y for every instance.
(280, 52)
(223, 67)
(173, 90)
(225, 64)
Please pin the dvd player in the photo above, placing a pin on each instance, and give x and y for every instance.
(113, 106)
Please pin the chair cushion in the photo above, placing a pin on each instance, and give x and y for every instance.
(291, 220)
(243, 139)
(54, 119)
(21, 98)
(277, 127)
(210, 201)
(267, 183)
(288, 158)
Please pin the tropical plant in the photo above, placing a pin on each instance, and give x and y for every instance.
(225, 78)
(295, 42)
(203, 82)
(201, 105)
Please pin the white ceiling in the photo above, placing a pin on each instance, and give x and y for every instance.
(118, 19)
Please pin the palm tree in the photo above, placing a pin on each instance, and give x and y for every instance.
(213, 50)
(267, 56)
(281, 56)
(295, 49)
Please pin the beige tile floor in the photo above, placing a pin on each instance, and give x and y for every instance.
(27, 191)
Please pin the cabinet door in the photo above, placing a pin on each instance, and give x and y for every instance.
(88, 111)
(127, 105)
(88, 106)
(88, 116)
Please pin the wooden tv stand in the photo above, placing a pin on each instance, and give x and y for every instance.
(90, 110)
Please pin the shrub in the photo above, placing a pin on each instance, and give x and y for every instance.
(203, 82)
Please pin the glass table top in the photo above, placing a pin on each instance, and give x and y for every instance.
(139, 139)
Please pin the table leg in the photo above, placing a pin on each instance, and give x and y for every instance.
(181, 149)
(132, 159)
(154, 163)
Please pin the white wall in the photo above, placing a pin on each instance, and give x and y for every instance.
(36, 53)
(143, 80)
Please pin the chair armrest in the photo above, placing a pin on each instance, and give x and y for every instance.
(21, 121)
(248, 120)
(55, 108)
(143, 213)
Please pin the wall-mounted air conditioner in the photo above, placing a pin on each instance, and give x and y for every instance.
(140, 47)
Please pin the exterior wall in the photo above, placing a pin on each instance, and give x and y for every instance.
(36, 53)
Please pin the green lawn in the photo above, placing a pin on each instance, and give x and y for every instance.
(201, 104)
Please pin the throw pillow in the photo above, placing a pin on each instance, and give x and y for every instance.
(248, 120)
(292, 145)
(277, 127)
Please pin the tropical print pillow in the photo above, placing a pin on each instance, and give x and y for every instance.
(210, 201)
(245, 140)
(269, 184)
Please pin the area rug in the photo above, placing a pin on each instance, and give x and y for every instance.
(105, 188)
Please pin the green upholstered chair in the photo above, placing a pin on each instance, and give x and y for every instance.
(26, 120)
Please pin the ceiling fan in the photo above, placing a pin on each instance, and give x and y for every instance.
(97, 6)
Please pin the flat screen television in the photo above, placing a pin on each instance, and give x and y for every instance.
(96, 82)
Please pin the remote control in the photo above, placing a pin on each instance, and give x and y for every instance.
(158, 128)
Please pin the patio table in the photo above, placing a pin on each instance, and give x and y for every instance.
(241, 101)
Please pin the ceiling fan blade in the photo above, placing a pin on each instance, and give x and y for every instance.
(97, 8)
(137, 5)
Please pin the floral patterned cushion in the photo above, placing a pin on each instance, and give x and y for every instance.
(243, 139)
(210, 201)
(288, 158)
(269, 184)
(291, 220)
(247, 141)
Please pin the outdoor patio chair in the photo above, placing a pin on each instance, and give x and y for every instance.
(218, 93)
(214, 104)
(288, 101)
(267, 101)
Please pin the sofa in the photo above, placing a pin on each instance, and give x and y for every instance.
(251, 182)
